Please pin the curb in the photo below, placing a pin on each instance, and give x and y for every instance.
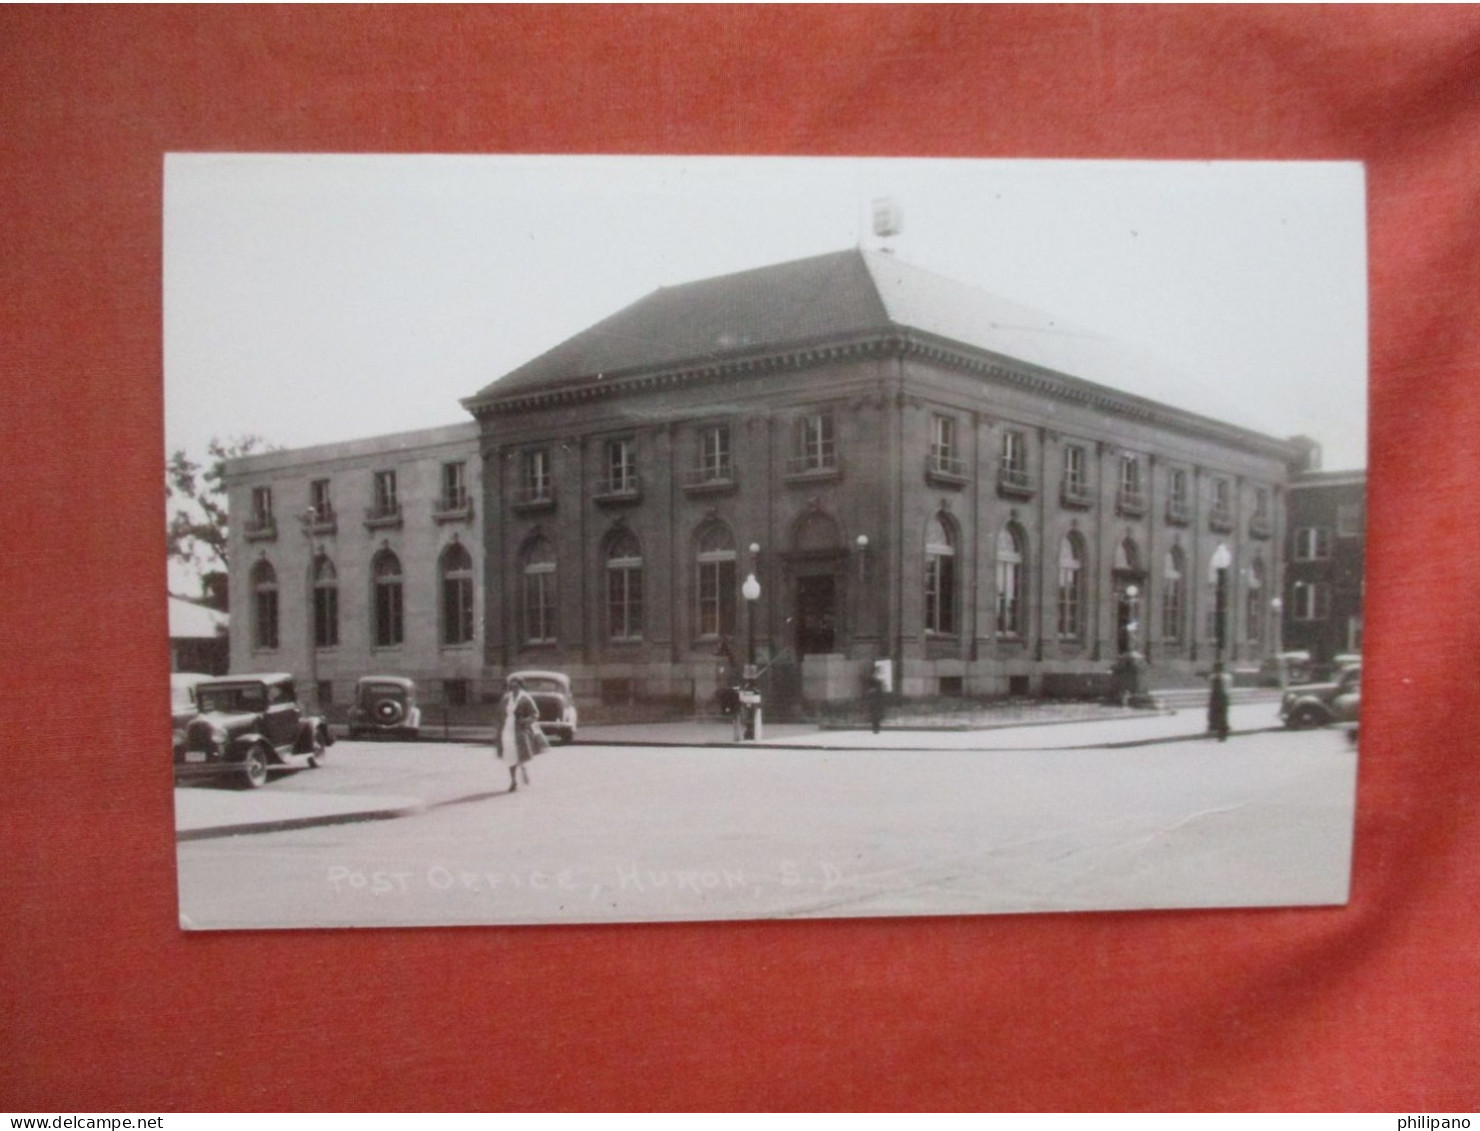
(212, 832)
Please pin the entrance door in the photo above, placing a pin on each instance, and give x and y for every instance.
(816, 614)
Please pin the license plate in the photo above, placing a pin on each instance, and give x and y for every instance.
(195, 755)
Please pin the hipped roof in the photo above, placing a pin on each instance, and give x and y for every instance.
(841, 296)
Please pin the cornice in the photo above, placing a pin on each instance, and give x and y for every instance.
(882, 343)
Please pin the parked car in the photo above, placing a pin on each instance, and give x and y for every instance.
(1295, 665)
(1318, 704)
(385, 705)
(182, 704)
(248, 726)
(551, 693)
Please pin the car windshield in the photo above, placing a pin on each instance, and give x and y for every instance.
(232, 697)
(375, 690)
(541, 683)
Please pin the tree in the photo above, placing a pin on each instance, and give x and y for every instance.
(195, 503)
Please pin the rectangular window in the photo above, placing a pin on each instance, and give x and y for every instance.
(1261, 504)
(1312, 543)
(1311, 600)
(1130, 477)
(261, 507)
(455, 692)
(320, 501)
(1177, 489)
(1129, 498)
(454, 486)
(1076, 481)
(945, 454)
(816, 445)
(1014, 452)
(1221, 495)
(326, 692)
(714, 453)
(1350, 520)
(621, 466)
(384, 502)
(538, 484)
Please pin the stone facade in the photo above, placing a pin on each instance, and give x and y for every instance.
(330, 522)
(902, 485)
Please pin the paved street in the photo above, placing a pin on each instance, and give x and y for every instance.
(1135, 813)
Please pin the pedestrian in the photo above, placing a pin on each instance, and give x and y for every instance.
(1218, 703)
(514, 735)
(874, 694)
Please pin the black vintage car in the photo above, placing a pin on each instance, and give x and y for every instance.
(385, 705)
(248, 726)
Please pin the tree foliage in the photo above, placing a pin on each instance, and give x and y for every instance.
(196, 510)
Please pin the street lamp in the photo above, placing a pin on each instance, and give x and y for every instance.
(1131, 617)
(1277, 607)
(751, 591)
(1218, 575)
(748, 709)
(311, 692)
(1218, 684)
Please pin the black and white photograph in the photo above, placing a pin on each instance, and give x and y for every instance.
(563, 539)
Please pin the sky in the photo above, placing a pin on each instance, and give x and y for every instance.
(317, 298)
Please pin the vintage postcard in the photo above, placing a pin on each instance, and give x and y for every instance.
(597, 539)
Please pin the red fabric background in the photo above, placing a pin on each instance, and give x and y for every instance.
(107, 1005)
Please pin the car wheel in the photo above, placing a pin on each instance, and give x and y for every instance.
(1306, 718)
(255, 768)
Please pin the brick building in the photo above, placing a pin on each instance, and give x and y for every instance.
(1324, 578)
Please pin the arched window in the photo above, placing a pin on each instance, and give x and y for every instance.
(390, 617)
(1071, 587)
(1010, 545)
(325, 603)
(264, 605)
(715, 583)
(539, 592)
(457, 595)
(940, 576)
(624, 587)
(1173, 596)
(1254, 602)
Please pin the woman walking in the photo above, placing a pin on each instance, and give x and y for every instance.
(514, 738)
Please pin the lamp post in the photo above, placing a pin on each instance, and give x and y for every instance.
(311, 692)
(1218, 690)
(1132, 617)
(1277, 607)
(750, 589)
(748, 710)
